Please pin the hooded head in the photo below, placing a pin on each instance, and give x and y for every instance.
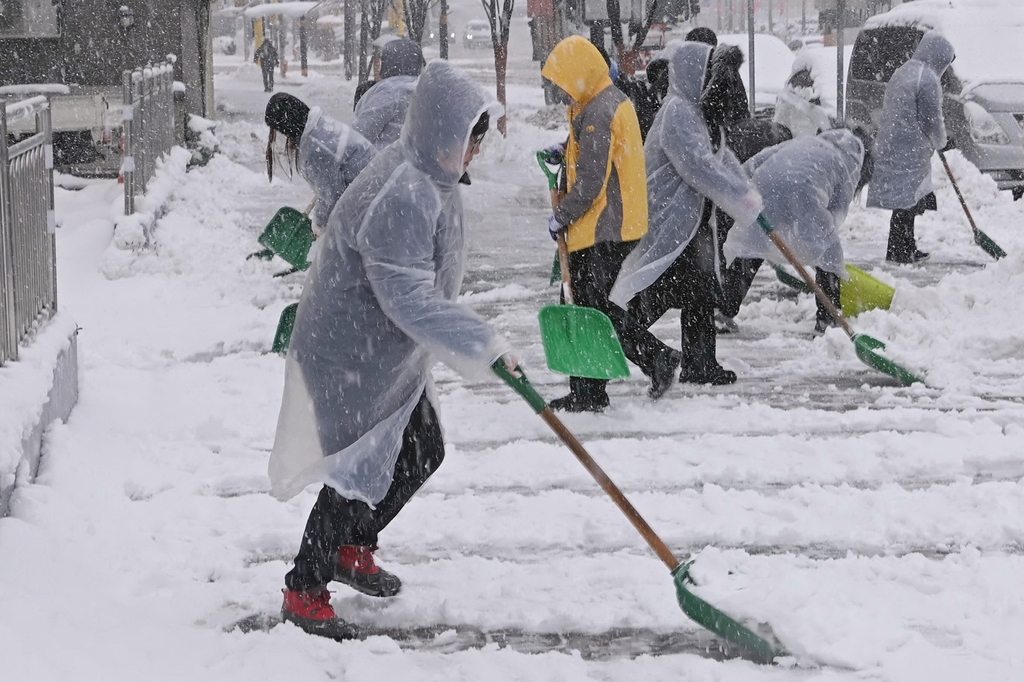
(935, 51)
(577, 67)
(850, 146)
(687, 68)
(400, 57)
(657, 75)
(442, 111)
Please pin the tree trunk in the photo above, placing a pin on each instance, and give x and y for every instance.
(443, 27)
(500, 64)
(364, 40)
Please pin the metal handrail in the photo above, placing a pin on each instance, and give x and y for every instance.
(148, 130)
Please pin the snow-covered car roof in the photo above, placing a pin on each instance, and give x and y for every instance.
(986, 34)
(773, 62)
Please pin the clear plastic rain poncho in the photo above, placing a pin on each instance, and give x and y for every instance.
(912, 128)
(331, 155)
(380, 113)
(378, 308)
(682, 169)
(807, 185)
(798, 105)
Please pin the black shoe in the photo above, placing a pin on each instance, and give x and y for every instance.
(716, 375)
(725, 325)
(574, 402)
(311, 612)
(916, 257)
(662, 374)
(356, 568)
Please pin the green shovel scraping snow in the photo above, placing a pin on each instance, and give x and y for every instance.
(865, 345)
(289, 234)
(759, 648)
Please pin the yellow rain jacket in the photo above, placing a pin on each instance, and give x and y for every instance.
(606, 176)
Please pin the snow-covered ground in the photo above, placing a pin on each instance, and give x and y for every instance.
(879, 530)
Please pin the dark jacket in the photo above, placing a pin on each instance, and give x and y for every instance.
(724, 100)
(266, 55)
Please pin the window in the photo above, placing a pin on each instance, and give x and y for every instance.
(879, 52)
(28, 19)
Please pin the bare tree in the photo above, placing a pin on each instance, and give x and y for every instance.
(372, 17)
(500, 21)
(416, 13)
(629, 52)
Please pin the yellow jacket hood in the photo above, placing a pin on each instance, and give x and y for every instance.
(577, 67)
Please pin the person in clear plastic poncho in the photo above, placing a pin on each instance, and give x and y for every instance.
(807, 185)
(676, 263)
(328, 154)
(378, 310)
(911, 130)
(380, 112)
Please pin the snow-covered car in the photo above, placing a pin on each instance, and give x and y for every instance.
(983, 101)
(773, 62)
(478, 34)
(798, 43)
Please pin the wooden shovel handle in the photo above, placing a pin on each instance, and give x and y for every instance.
(825, 301)
(566, 436)
(956, 188)
(563, 261)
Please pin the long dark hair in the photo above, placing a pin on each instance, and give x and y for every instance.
(291, 152)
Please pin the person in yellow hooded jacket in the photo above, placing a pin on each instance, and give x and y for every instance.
(604, 210)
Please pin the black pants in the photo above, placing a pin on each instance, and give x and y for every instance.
(736, 281)
(690, 285)
(592, 272)
(268, 79)
(336, 521)
(831, 285)
(902, 244)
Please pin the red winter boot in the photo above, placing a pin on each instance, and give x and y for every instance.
(357, 569)
(312, 612)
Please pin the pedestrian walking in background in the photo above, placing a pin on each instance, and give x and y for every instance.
(327, 154)
(676, 262)
(380, 112)
(911, 130)
(604, 211)
(268, 60)
(378, 309)
(807, 185)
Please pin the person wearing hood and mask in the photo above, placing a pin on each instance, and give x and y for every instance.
(604, 211)
(379, 308)
(911, 130)
(327, 154)
(676, 263)
(380, 112)
(807, 185)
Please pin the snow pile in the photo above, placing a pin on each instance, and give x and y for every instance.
(133, 232)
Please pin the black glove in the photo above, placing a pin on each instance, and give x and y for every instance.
(950, 144)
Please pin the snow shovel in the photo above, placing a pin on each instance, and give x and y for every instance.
(864, 344)
(860, 293)
(693, 606)
(980, 238)
(285, 324)
(289, 234)
(543, 159)
(580, 341)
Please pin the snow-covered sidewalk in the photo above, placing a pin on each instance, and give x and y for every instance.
(878, 529)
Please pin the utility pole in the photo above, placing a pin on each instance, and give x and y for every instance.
(840, 62)
(803, 17)
(750, 49)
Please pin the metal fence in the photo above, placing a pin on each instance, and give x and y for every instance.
(28, 278)
(148, 131)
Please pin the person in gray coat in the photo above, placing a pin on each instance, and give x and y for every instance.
(381, 111)
(807, 185)
(676, 263)
(328, 154)
(911, 130)
(359, 413)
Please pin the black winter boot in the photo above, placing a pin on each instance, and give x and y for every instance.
(357, 569)
(662, 373)
(585, 395)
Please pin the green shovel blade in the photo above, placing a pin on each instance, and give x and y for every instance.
(289, 234)
(986, 243)
(791, 281)
(581, 342)
(866, 346)
(285, 324)
(716, 621)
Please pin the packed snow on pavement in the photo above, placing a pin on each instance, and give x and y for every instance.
(877, 529)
